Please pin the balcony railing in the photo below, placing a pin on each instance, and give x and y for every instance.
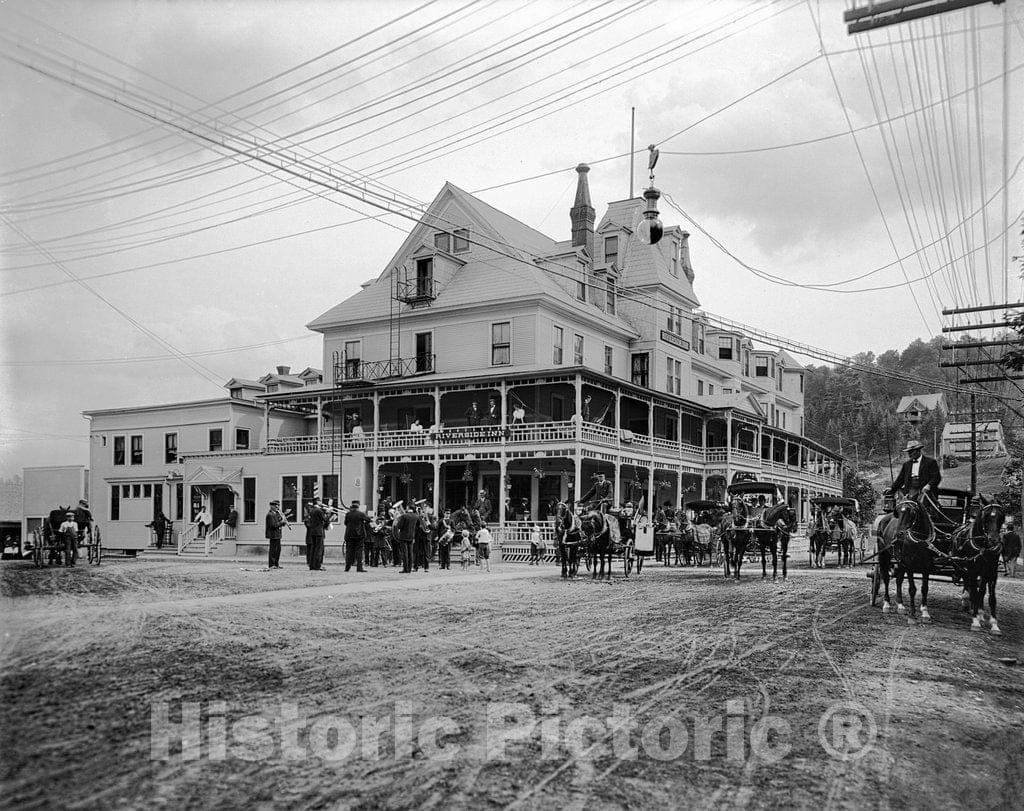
(539, 433)
(417, 290)
(363, 371)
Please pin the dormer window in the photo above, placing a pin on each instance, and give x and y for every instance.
(611, 249)
(461, 241)
(443, 242)
(424, 277)
(725, 348)
(761, 367)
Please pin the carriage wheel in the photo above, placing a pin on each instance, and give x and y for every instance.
(876, 582)
(627, 559)
(37, 554)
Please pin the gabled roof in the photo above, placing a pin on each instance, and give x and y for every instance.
(513, 273)
(243, 383)
(925, 401)
(744, 401)
(964, 428)
(787, 360)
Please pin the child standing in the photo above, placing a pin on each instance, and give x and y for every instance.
(466, 549)
(535, 545)
(483, 545)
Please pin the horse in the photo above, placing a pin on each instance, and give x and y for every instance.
(848, 542)
(818, 536)
(774, 535)
(60, 550)
(598, 532)
(735, 528)
(907, 538)
(567, 540)
(976, 549)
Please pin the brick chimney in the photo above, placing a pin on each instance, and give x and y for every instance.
(582, 213)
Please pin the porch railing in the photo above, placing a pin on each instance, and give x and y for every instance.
(601, 434)
(542, 432)
(189, 541)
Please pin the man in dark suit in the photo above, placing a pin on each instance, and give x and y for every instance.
(404, 532)
(316, 526)
(357, 526)
(919, 474)
(600, 493)
(272, 531)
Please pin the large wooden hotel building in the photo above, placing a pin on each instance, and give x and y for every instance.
(485, 357)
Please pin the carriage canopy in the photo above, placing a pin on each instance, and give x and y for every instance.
(834, 501)
(700, 506)
(754, 489)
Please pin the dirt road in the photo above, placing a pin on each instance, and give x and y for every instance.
(444, 689)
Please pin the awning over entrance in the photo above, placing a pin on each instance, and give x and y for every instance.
(211, 474)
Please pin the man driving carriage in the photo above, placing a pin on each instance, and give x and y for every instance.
(599, 495)
(919, 474)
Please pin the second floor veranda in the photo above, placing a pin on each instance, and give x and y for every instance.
(570, 408)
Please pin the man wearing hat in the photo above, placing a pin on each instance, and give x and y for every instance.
(357, 528)
(317, 523)
(272, 530)
(483, 506)
(83, 518)
(919, 474)
(601, 493)
(1011, 547)
(69, 533)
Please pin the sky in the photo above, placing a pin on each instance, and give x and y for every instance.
(141, 265)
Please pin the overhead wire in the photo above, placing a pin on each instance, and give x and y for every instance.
(867, 173)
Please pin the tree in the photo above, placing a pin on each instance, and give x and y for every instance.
(856, 486)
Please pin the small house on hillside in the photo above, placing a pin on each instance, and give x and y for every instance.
(913, 407)
(956, 439)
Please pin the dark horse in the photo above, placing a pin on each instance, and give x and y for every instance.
(735, 529)
(567, 538)
(906, 541)
(61, 550)
(976, 550)
(773, 535)
(597, 529)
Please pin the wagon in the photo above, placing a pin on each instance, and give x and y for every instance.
(50, 548)
(748, 491)
(828, 503)
(954, 512)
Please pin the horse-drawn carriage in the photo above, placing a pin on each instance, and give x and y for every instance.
(757, 521)
(944, 533)
(833, 524)
(66, 534)
(689, 540)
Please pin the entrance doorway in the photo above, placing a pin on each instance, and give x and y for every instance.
(221, 501)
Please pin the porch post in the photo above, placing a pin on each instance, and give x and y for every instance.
(320, 428)
(502, 475)
(578, 488)
(437, 408)
(266, 425)
(679, 488)
(437, 484)
(679, 431)
(651, 506)
(374, 495)
(503, 405)
(376, 420)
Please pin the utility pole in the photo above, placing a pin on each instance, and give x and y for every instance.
(881, 13)
(997, 374)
